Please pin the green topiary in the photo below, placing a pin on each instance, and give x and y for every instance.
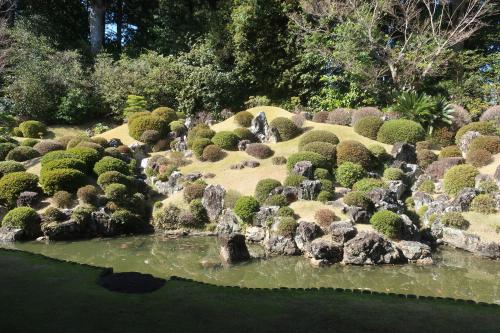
(368, 184)
(16, 131)
(388, 223)
(368, 126)
(110, 177)
(264, 187)
(358, 199)
(165, 113)
(5, 148)
(484, 204)
(88, 194)
(141, 124)
(226, 140)
(199, 212)
(24, 218)
(317, 160)
(483, 127)
(490, 143)
(325, 149)
(286, 211)
(9, 167)
(30, 142)
(321, 173)
(212, 153)
(243, 118)
(150, 137)
(400, 130)
(276, 200)
(454, 220)
(33, 129)
(479, 157)
(442, 135)
(459, 177)
(487, 186)
(287, 226)
(244, 134)
(325, 196)
(55, 155)
(75, 141)
(88, 155)
(318, 136)
(349, 173)
(21, 154)
(245, 207)
(354, 152)
(427, 186)
(327, 185)
(108, 163)
(12, 184)
(116, 192)
(64, 163)
(294, 180)
(62, 199)
(198, 132)
(394, 174)
(68, 180)
(425, 157)
(286, 128)
(193, 191)
(199, 145)
(52, 214)
(450, 151)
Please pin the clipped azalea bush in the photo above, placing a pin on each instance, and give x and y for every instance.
(286, 128)
(13, 184)
(212, 153)
(368, 126)
(367, 111)
(88, 194)
(259, 150)
(349, 173)
(400, 130)
(388, 223)
(454, 220)
(264, 187)
(10, 166)
(483, 127)
(324, 217)
(64, 163)
(321, 116)
(484, 204)
(355, 152)
(245, 207)
(226, 140)
(139, 125)
(425, 157)
(490, 143)
(62, 199)
(21, 154)
(55, 155)
(45, 146)
(317, 160)
(323, 148)
(199, 145)
(5, 148)
(88, 155)
(276, 200)
(24, 218)
(243, 118)
(368, 184)
(111, 177)
(33, 129)
(294, 180)
(358, 199)
(393, 174)
(165, 113)
(318, 136)
(193, 191)
(340, 116)
(108, 163)
(244, 134)
(450, 151)
(69, 180)
(200, 131)
(479, 157)
(459, 177)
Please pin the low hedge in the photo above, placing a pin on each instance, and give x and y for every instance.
(25, 218)
(264, 187)
(243, 118)
(323, 148)
(458, 177)
(349, 173)
(246, 207)
(483, 127)
(69, 180)
(318, 136)
(9, 167)
(33, 129)
(259, 150)
(317, 160)
(21, 154)
(108, 163)
(388, 223)
(13, 184)
(286, 128)
(368, 126)
(354, 152)
(226, 140)
(400, 130)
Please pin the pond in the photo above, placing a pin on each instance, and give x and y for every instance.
(455, 273)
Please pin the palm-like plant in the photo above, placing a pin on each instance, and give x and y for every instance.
(443, 113)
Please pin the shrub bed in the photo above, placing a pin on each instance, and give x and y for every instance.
(286, 128)
(400, 130)
(287, 226)
(5, 148)
(276, 200)
(165, 113)
(368, 126)
(226, 140)
(458, 177)
(64, 163)
(354, 152)
(245, 207)
(69, 180)
(279, 160)
(259, 150)
(193, 191)
(294, 180)
(13, 184)
(150, 137)
(388, 223)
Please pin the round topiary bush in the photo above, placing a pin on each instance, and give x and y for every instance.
(45, 146)
(150, 137)
(141, 124)
(193, 191)
(327, 185)
(325, 196)
(64, 163)
(9, 167)
(490, 143)
(165, 113)
(244, 134)
(264, 187)
(442, 135)
(492, 114)
(243, 118)
(134, 115)
(459, 177)
(259, 150)
(424, 145)
(358, 199)
(68, 180)
(454, 220)
(427, 186)
(55, 155)
(483, 127)
(484, 204)
(487, 186)
(294, 180)
(286, 212)
(13, 184)
(62, 199)
(276, 200)
(325, 149)
(450, 151)
(16, 131)
(52, 214)
(226, 140)
(393, 174)
(128, 221)
(24, 218)
(479, 157)
(318, 136)
(368, 184)
(245, 207)
(286, 226)
(400, 130)
(317, 160)
(178, 128)
(425, 157)
(368, 126)
(354, 152)
(299, 119)
(324, 217)
(286, 128)
(111, 177)
(88, 155)
(364, 112)
(116, 192)
(212, 153)
(388, 223)
(33, 129)
(341, 116)
(349, 173)
(88, 194)
(379, 152)
(198, 132)
(21, 154)
(108, 163)
(199, 145)
(5, 148)
(321, 173)
(321, 117)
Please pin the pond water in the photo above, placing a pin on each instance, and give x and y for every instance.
(455, 273)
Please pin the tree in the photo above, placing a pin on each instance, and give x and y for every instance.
(97, 14)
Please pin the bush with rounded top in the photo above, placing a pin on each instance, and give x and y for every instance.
(52, 214)
(317, 160)
(487, 186)
(490, 143)
(286, 128)
(276, 200)
(132, 116)
(368, 184)
(341, 116)
(484, 204)
(212, 153)
(68, 180)
(388, 223)
(458, 177)
(199, 212)
(450, 151)
(226, 140)
(5, 148)
(400, 130)
(245, 207)
(354, 152)
(62, 199)
(264, 187)
(324, 217)
(323, 148)
(349, 173)
(33, 129)
(116, 192)
(394, 174)
(178, 127)
(259, 150)
(64, 163)
(87, 194)
(286, 226)
(45, 146)
(108, 163)
(321, 116)
(13, 184)
(92, 145)
(128, 221)
(9, 167)
(141, 124)
(358, 199)
(479, 157)
(24, 218)
(364, 112)
(278, 160)
(165, 113)
(318, 136)
(198, 132)
(327, 185)
(230, 198)
(16, 131)
(199, 145)
(423, 145)
(243, 118)
(88, 155)
(244, 134)
(294, 180)
(286, 211)
(325, 196)
(442, 135)
(427, 186)
(150, 137)
(368, 126)
(298, 119)
(378, 151)
(492, 114)
(110, 177)
(321, 173)
(454, 220)
(483, 127)
(21, 154)
(193, 191)
(30, 142)
(55, 155)
(75, 141)
(425, 157)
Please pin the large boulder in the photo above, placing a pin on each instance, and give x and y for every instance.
(416, 252)
(405, 152)
(309, 189)
(397, 187)
(370, 248)
(437, 169)
(410, 230)
(305, 233)
(264, 214)
(304, 168)
(242, 144)
(421, 199)
(255, 234)
(326, 251)
(173, 185)
(342, 231)
(66, 230)
(8, 234)
(466, 140)
(290, 192)
(281, 245)
(469, 242)
(358, 215)
(384, 199)
(261, 129)
(228, 223)
(139, 150)
(102, 224)
(213, 200)
(28, 199)
(233, 248)
(464, 199)
(411, 171)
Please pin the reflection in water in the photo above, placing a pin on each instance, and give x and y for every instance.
(455, 273)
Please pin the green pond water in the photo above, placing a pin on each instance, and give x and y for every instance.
(455, 273)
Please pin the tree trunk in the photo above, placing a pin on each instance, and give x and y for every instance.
(119, 24)
(96, 22)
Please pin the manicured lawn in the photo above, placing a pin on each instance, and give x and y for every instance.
(44, 295)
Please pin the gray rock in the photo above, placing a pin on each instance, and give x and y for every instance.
(466, 140)
(66, 230)
(327, 250)
(291, 193)
(233, 248)
(496, 176)
(397, 187)
(384, 200)
(421, 199)
(139, 150)
(261, 129)
(237, 166)
(242, 144)
(281, 245)
(193, 176)
(469, 242)
(410, 230)
(213, 200)
(464, 199)
(8, 234)
(115, 143)
(304, 168)
(420, 179)
(437, 168)
(28, 199)
(369, 248)
(416, 252)
(342, 231)
(255, 234)
(102, 224)
(180, 145)
(358, 215)
(172, 185)
(305, 233)
(405, 152)
(411, 171)
(251, 164)
(228, 223)
(265, 214)
(309, 189)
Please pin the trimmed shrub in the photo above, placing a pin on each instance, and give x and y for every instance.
(423, 145)
(294, 180)
(349, 173)
(487, 186)
(198, 132)
(64, 163)
(286, 128)
(116, 192)
(178, 127)
(128, 221)
(491, 114)
(327, 185)
(364, 112)
(139, 125)
(21, 154)
(388, 223)
(324, 196)
(458, 177)
(484, 204)
(400, 130)
(299, 119)
(379, 152)
(108, 163)
(317, 160)
(62, 199)
(276, 200)
(368, 184)
(340, 116)
(286, 226)
(243, 118)
(88, 194)
(165, 113)
(244, 134)
(490, 143)
(82, 215)
(25, 218)
(193, 191)
(318, 136)
(442, 135)
(230, 198)
(68, 180)
(454, 220)
(166, 218)
(321, 117)
(150, 137)
(132, 116)
(199, 212)
(13, 184)
(323, 148)
(286, 211)
(5, 148)
(358, 199)
(394, 174)
(30, 142)
(88, 155)
(110, 177)
(479, 157)
(245, 207)
(461, 116)
(55, 155)
(483, 127)
(100, 141)
(427, 186)
(9, 167)
(52, 214)
(264, 187)
(45, 146)
(354, 152)
(450, 151)
(226, 140)
(368, 126)
(425, 157)
(324, 217)
(16, 131)
(321, 173)
(212, 153)
(259, 150)
(33, 129)
(199, 145)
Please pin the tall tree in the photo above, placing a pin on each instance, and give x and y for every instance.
(97, 15)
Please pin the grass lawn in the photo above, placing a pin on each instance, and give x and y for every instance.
(45, 295)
